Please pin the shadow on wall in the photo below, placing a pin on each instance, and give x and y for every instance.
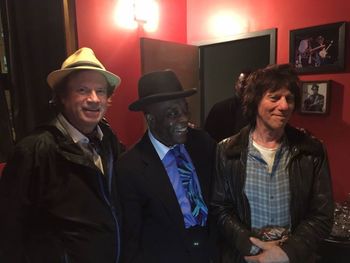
(334, 132)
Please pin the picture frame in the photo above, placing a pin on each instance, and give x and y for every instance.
(318, 49)
(315, 97)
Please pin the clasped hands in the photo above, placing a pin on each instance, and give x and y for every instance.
(271, 252)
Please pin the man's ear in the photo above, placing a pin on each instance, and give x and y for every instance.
(149, 118)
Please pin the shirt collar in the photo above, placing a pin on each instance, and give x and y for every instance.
(281, 148)
(160, 148)
(74, 133)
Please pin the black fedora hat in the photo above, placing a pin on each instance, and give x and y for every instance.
(159, 86)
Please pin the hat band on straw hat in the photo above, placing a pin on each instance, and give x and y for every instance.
(84, 64)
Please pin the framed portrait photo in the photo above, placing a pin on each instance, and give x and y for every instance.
(315, 97)
(318, 49)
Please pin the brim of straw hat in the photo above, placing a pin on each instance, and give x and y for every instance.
(141, 103)
(57, 76)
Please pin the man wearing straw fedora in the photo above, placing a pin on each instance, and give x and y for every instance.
(57, 193)
(165, 179)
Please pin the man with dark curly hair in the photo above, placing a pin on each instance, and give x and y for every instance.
(272, 193)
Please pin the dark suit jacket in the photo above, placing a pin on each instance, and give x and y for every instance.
(153, 229)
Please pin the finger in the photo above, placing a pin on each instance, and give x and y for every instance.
(252, 259)
(264, 244)
(258, 242)
(274, 242)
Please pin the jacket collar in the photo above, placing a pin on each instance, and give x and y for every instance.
(78, 137)
(66, 146)
(298, 140)
(237, 143)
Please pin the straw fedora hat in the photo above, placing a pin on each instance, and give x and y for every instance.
(159, 86)
(83, 58)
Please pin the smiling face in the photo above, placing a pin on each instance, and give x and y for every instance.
(275, 110)
(168, 121)
(84, 102)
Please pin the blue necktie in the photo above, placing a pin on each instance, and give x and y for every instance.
(187, 172)
(94, 141)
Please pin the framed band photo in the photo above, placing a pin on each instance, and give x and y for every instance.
(318, 49)
(315, 97)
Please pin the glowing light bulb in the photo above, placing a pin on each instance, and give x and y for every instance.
(124, 14)
(129, 14)
(227, 23)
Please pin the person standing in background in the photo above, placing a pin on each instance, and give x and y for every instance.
(226, 117)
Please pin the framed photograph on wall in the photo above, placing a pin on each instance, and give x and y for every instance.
(315, 97)
(318, 49)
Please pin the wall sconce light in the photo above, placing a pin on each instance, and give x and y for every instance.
(227, 23)
(131, 14)
(140, 13)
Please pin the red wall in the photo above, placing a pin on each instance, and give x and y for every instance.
(187, 21)
(119, 51)
(256, 15)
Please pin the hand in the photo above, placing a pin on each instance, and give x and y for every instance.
(271, 252)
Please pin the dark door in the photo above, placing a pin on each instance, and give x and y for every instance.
(182, 59)
(222, 62)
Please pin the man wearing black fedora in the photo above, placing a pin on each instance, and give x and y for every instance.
(164, 180)
(57, 193)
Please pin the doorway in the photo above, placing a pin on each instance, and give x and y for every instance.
(212, 68)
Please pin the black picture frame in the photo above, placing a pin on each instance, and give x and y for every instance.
(318, 49)
(315, 97)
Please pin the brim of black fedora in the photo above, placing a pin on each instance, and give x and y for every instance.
(141, 103)
(58, 75)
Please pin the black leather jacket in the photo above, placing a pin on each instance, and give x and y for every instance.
(310, 189)
(55, 205)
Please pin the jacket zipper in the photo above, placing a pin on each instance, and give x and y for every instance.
(112, 209)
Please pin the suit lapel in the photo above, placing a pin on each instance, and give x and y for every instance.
(201, 169)
(158, 180)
